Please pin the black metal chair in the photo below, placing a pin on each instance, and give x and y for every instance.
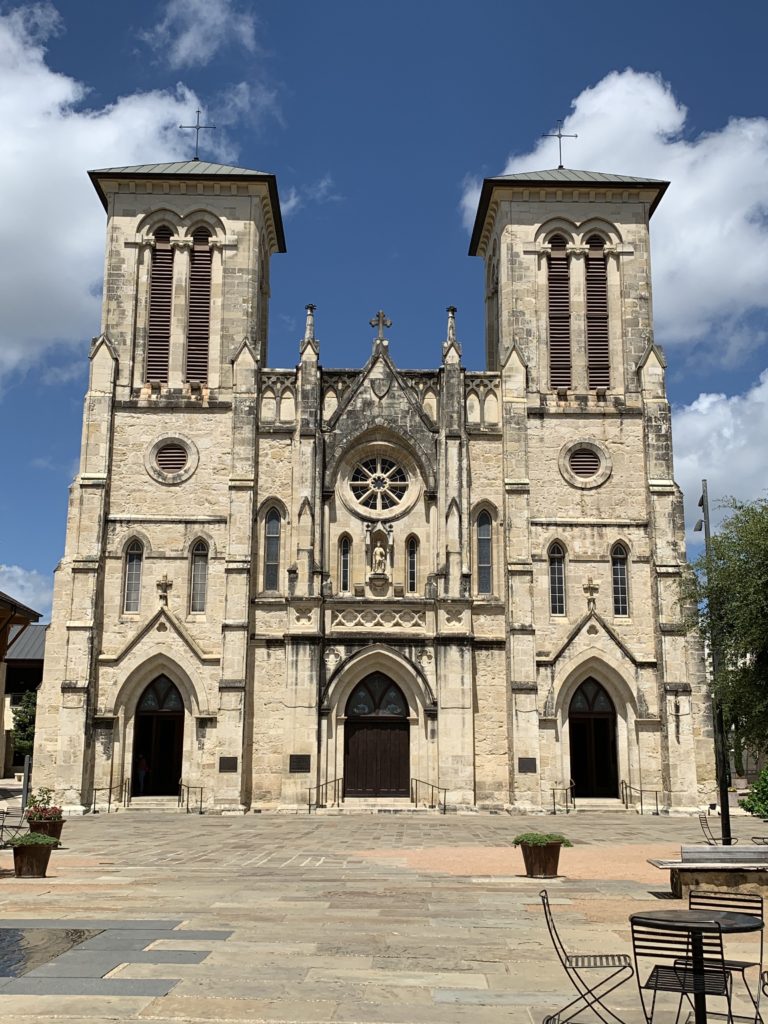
(677, 976)
(589, 996)
(711, 839)
(12, 824)
(737, 903)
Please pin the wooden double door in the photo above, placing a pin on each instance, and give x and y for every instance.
(158, 740)
(592, 726)
(377, 740)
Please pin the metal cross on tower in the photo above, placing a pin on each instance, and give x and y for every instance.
(560, 135)
(381, 321)
(197, 128)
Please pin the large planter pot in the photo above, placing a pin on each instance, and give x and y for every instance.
(541, 861)
(31, 861)
(47, 826)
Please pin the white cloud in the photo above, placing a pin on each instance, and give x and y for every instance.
(28, 586)
(710, 233)
(50, 210)
(721, 438)
(192, 32)
(321, 191)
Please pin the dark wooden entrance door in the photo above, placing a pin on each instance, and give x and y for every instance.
(158, 740)
(592, 726)
(377, 740)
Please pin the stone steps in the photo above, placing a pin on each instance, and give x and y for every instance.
(163, 804)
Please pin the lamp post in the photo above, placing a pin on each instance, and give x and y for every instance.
(721, 747)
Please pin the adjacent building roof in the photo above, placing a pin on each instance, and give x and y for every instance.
(562, 177)
(18, 611)
(30, 646)
(194, 169)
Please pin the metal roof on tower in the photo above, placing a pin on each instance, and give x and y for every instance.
(560, 177)
(194, 170)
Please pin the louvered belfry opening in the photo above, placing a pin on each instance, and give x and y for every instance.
(559, 315)
(598, 361)
(199, 321)
(160, 300)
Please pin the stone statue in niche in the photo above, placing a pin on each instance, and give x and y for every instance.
(379, 564)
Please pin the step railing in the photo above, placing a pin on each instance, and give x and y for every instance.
(117, 788)
(125, 796)
(184, 794)
(568, 802)
(418, 786)
(333, 786)
(627, 797)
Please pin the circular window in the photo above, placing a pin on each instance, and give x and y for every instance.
(378, 483)
(584, 462)
(171, 458)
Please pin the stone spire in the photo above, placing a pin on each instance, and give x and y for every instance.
(451, 346)
(309, 341)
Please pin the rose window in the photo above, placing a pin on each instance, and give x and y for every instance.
(378, 483)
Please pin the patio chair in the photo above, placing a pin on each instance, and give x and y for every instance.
(677, 976)
(12, 824)
(711, 839)
(590, 993)
(737, 903)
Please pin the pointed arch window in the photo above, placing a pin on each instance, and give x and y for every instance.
(484, 553)
(557, 580)
(199, 306)
(160, 302)
(598, 359)
(345, 550)
(272, 524)
(198, 585)
(559, 290)
(619, 559)
(411, 565)
(134, 558)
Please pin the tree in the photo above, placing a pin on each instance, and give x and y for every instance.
(24, 724)
(731, 592)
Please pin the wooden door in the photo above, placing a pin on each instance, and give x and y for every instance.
(377, 759)
(592, 727)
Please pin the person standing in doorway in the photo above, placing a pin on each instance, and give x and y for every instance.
(142, 770)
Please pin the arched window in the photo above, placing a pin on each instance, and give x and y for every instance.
(134, 557)
(557, 580)
(411, 565)
(620, 583)
(598, 362)
(484, 554)
(160, 301)
(345, 549)
(199, 308)
(272, 550)
(198, 580)
(559, 314)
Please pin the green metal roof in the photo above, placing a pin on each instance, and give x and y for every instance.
(564, 177)
(195, 169)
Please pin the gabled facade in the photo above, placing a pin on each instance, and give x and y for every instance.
(276, 579)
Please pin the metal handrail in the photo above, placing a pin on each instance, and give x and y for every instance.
(184, 786)
(415, 783)
(109, 790)
(125, 796)
(626, 796)
(338, 794)
(569, 793)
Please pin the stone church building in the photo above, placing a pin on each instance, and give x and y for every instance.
(276, 579)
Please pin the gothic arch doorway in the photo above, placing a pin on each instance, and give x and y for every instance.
(376, 739)
(592, 727)
(158, 740)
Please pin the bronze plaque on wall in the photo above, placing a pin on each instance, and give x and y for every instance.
(526, 765)
(227, 764)
(299, 763)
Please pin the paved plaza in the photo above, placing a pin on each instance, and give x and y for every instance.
(371, 918)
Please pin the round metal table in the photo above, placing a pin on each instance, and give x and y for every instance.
(694, 922)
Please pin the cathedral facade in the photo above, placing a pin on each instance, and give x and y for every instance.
(284, 586)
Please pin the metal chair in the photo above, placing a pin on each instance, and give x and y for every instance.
(678, 977)
(12, 824)
(711, 839)
(590, 996)
(737, 903)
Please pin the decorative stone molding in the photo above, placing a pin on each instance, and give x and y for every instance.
(589, 482)
(373, 618)
(171, 479)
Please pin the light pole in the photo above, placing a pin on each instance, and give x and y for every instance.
(721, 747)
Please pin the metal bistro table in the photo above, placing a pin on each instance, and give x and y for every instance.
(694, 922)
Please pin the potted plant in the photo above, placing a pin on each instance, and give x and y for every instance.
(541, 852)
(42, 815)
(31, 853)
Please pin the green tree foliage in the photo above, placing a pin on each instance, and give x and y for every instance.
(732, 597)
(757, 801)
(24, 724)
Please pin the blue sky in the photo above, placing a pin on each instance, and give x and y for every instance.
(379, 121)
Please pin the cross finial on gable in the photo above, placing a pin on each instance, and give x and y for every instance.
(197, 128)
(381, 320)
(163, 586)
(559, 135)
(591, 589)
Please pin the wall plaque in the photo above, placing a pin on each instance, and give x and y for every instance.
(299, 763)
(227, 764)
(526, 765)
